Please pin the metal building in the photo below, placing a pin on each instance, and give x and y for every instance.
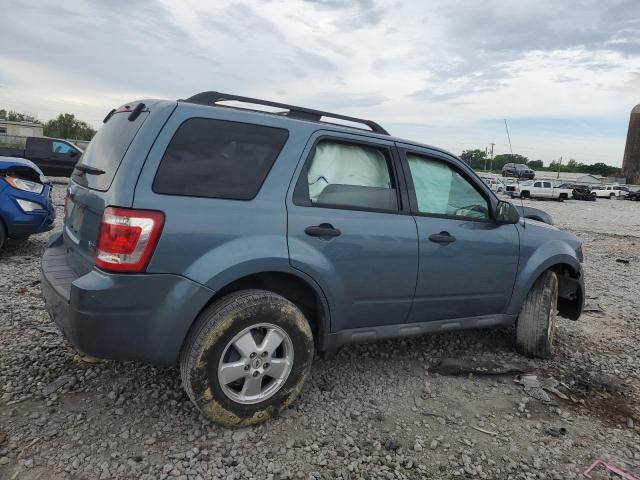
(20, 129)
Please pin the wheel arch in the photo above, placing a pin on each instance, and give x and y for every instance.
(295, 286)
(570, 284)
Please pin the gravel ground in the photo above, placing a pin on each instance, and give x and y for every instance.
(371, 411)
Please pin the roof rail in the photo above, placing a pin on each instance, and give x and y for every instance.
(211, 98)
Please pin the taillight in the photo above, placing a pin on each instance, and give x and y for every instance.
(127, 239)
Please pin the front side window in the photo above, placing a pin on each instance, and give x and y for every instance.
(351, 175)
(60, 147)
(441, 190)
(547, 185)
(218, 159)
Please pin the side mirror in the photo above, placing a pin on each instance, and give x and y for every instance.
(506, 213)
(73, 153)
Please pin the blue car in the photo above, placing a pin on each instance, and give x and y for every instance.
(25, 200)
(236, 243)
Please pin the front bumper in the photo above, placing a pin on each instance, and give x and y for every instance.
(571, 295)
(142, 317)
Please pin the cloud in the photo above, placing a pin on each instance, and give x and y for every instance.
(352, 14)
(448, 63)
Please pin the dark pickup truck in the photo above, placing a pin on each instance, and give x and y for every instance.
(55, 157)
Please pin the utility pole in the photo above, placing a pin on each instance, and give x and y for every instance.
(491, 162)
(559, 165)
(485, 159)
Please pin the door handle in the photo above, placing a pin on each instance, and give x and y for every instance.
(443, 238)
(322, 230)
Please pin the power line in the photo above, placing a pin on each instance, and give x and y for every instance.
(508, 136)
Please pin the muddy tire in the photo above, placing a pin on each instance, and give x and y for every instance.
(246, 357)
(536, 326)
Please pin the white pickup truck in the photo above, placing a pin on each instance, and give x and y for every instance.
(539, 189)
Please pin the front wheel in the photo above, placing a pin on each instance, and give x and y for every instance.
(536, 326)
(246, 357)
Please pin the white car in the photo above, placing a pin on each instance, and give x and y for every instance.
(610, 191)
(494, 184)
(539, 189)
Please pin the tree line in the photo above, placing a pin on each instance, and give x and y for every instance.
(65, 125)
(480, 160)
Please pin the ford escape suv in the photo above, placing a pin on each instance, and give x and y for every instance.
(237, 242)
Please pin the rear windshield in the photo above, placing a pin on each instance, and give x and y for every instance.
(106, 150)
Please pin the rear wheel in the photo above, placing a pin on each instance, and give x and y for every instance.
(536, 326)
(612, 196)
(21, 238)
(246, 358)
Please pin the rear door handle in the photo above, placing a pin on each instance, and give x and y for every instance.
(322, 230)
(443, 238)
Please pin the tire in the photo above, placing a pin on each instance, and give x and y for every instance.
(3, 234)
(536, 326)
(21, 238)
(611, 196)
(524, 194)
(211, 343)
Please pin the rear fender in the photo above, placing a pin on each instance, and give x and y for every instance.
(235, 271)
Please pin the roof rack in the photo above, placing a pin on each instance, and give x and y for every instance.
(211, 98)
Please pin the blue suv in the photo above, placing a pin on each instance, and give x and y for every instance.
(238, 242)
(25, 200)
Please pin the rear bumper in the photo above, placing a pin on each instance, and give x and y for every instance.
(142, 317)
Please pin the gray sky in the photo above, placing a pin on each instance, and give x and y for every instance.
(564, 73)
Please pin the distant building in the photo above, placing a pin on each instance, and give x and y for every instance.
(570, 177)
(21, 129)
(590, 179)
(616, 179)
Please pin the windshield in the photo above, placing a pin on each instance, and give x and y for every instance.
(106, 150)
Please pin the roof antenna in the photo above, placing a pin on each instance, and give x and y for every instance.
(524, 221)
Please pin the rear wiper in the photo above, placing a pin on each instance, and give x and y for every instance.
(88, 169)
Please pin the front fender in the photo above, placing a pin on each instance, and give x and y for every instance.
(549, 254)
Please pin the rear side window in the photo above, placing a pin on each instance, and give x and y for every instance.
(106, 150)
(218, 159)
